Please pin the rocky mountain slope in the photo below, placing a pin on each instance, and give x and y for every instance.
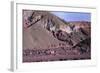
(46, 35)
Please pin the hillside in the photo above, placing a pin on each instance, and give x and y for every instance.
(46, 35)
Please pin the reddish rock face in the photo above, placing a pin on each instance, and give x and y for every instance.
(46, 37)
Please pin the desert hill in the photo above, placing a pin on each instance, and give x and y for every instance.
(43, 31)
(38, 35)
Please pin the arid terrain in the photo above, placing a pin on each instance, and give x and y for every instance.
(46, 37)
